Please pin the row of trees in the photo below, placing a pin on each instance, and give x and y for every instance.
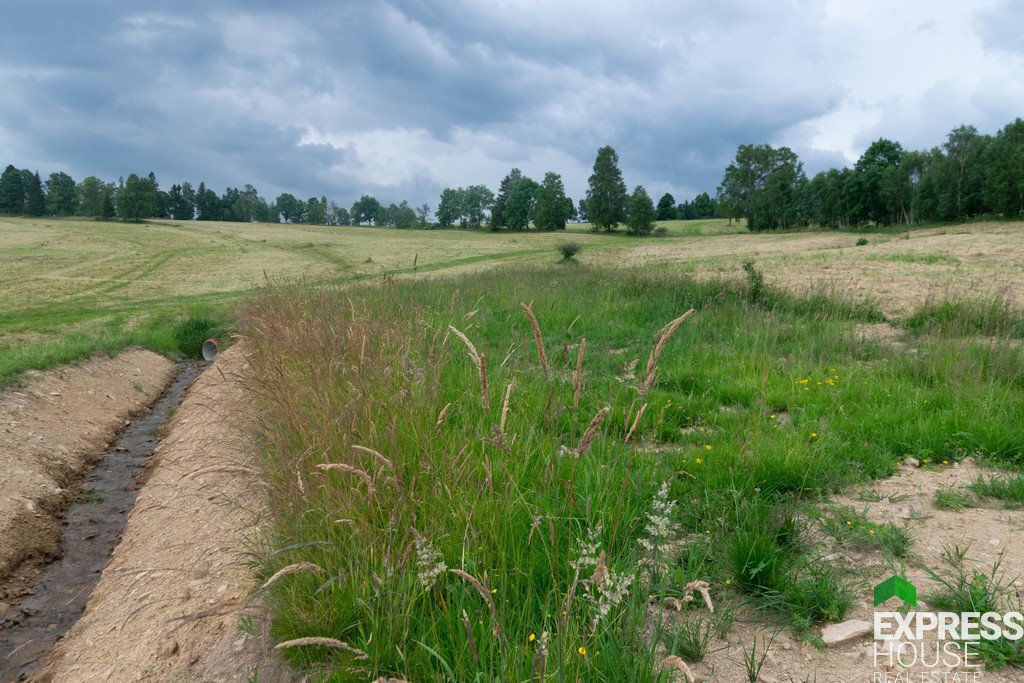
(969, 175)
(522, 203)
(24, 193)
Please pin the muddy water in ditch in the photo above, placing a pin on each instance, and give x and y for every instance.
(93, 526)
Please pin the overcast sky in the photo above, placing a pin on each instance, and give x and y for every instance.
(400, 99)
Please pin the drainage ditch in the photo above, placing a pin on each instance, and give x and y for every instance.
(33, 624)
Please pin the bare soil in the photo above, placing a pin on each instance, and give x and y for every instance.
(53, 428)
(174, 603)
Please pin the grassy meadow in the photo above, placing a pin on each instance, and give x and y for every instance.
(71, 287)
(488, 465)
(461, 495)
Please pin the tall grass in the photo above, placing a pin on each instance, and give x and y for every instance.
(529, 525)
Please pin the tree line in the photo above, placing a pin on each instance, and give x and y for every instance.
(969, 175)
(521, 203)
(136, 198)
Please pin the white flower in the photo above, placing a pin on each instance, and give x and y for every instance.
(428, 562)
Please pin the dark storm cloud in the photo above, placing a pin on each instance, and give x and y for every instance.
(403, 98)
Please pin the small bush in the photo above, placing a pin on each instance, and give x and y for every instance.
(755, 278)
(862, 241)
(190, 333)
(568, 250)
(660, 231)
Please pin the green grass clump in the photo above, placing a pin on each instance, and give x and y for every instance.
(572, 498)
(1009, 489)
(190, 333)
(993, 317)
(954, 499)
(852, 529)
(962, 589)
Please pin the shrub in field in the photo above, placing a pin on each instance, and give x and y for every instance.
(755, 280)
(568, 250)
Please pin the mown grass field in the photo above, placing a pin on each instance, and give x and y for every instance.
(70, 287)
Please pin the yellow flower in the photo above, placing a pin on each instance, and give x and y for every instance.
(945, 462)
(707, 447)
(771, 417)
(582, 650)
(728, 582)
(871, 531)
(699, 461)
(493, 591)
(533, 637)
(849, 523)
(814, 435)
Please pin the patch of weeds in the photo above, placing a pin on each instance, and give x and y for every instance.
(91, 497)
(851, 528)
(971, 590)
(690, 641)
(862, 241)
(954, 499)
(752, 662)
(755, 279)
(817, 594)
(1009, 489)
(138, 387)
(190, 333)
(758, 562)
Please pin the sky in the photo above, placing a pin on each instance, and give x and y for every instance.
(400, 99)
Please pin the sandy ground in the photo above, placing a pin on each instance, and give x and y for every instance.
(52, 429)
(994, 535)
(171, 604)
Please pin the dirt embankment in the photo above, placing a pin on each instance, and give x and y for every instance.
(173, 603)
(52, 429)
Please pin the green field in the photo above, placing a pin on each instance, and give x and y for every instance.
(582, 498)
(70, 287)
(581, 493)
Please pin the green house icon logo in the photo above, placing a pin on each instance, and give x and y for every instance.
(896, 587)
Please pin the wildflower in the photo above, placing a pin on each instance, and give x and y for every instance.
(493, 591)
(533, 637)
(871, 531)
(728, 582)
(429, 564)
(849, 523)
(945, 462)
(771, 417)
(814, 435)
(699, 461)
(660, 531)
(582, 650)
(707, 447)
(611, 590)
(587, 552)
